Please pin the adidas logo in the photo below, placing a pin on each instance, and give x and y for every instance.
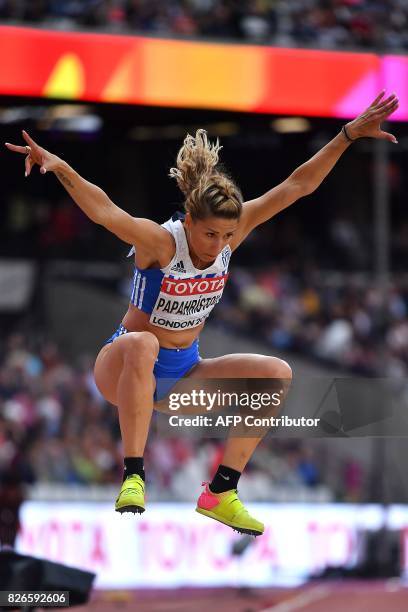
(178, 267)
(225, 256)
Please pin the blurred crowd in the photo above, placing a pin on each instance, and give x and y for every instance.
(381, 24)
(341, 320)
(55, 427)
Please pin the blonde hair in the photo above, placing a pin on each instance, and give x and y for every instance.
(207, 190)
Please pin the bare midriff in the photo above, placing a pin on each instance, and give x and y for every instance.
(136, 320)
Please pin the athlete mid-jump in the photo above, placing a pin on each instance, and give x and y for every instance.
(158, 336)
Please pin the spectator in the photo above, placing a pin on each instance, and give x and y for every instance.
(377, 25)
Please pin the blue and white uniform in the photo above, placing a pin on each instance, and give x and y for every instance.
(177, 297)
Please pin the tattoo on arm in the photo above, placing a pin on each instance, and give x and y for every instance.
(64, 179)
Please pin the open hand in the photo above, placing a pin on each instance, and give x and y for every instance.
(368, 124)
(35, 155)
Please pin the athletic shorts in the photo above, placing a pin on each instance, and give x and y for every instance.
(170, 366)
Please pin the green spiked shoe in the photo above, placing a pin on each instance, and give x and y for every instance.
(227, 508)
(132, 495)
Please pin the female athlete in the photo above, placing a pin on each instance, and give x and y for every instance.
(158, 336)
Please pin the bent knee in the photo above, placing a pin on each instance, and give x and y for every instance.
(286, 369)
(278, 368)
(140, 348)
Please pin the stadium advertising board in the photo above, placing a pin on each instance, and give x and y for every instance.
(192, 74)
(171, 545)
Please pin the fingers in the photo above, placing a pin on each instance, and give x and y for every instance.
(22, 149)
(392, 108)
(28, 139)
(384, 103)
(34, 154)
(388, 136)
(386, 110)
(31, 146)
(378, 98)
(16, 148)
(28, 165)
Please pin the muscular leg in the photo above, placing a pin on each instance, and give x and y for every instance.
(124, 375)
(239, 450)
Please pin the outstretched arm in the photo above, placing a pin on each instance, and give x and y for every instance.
(95, 203)
(307, 177)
